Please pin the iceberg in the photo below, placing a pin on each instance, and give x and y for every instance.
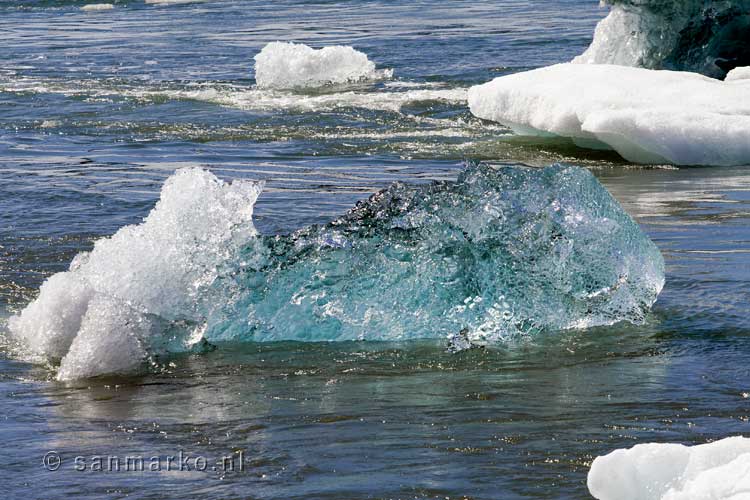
(502, 253)
(702, 36)
(716, 471)
(283, 65)
(647, 116)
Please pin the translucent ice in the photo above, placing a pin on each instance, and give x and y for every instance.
(702, 36)
(647, 116)
(716, 471)
(282, 65)
(501, 253)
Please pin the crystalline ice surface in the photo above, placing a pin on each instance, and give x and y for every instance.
(703, 36)
(645, 115)
(716, 471)
(499, 254)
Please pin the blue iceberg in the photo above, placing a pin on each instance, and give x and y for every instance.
(501, 253)
(701, 36)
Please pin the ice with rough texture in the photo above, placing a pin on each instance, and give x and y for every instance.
(283, 65)
(714, 471)
(647, 116)
(501, 253)
(147, 285)
(702, 36)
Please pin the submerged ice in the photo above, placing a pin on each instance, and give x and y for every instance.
(702, 36)
(501, 253)
(716, 471)
(647, 116)
(283, 65)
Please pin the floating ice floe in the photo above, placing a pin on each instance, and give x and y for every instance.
(501, 253)
(703, 36)
(95, 7)
(282, 65)
(715, 471)
(647, 116)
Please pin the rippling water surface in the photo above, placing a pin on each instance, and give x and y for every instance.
(98, 108)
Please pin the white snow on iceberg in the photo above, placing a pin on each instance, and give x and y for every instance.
(282, 65)
(645, 115)
(737, 74)
(715, 471)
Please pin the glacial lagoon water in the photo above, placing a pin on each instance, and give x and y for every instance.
(98, 108)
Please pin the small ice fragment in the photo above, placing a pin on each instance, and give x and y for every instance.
(282, 65)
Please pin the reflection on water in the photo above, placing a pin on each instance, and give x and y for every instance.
(404, 420)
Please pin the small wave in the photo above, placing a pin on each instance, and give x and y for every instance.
(273, 100)
(239, 97)
(172, 2)
(282, 65)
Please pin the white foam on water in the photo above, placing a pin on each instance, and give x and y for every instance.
(714, 471)
(645, 115)
(245, 98)
(283, 65)
(415, 85)
(97, 7)
(274, 100)
(98, 317)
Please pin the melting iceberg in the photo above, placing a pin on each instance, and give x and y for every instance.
(717, 471)
(500, 253)
(647, 116)
(702, 36)
(282, 65)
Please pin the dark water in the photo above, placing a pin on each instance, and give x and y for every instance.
(96, 109)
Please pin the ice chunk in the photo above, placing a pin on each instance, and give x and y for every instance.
(715, 471)
(94, 7)
(501, 253)
(647, 116)
(155, 275)
(702, 36)
(282, 65)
